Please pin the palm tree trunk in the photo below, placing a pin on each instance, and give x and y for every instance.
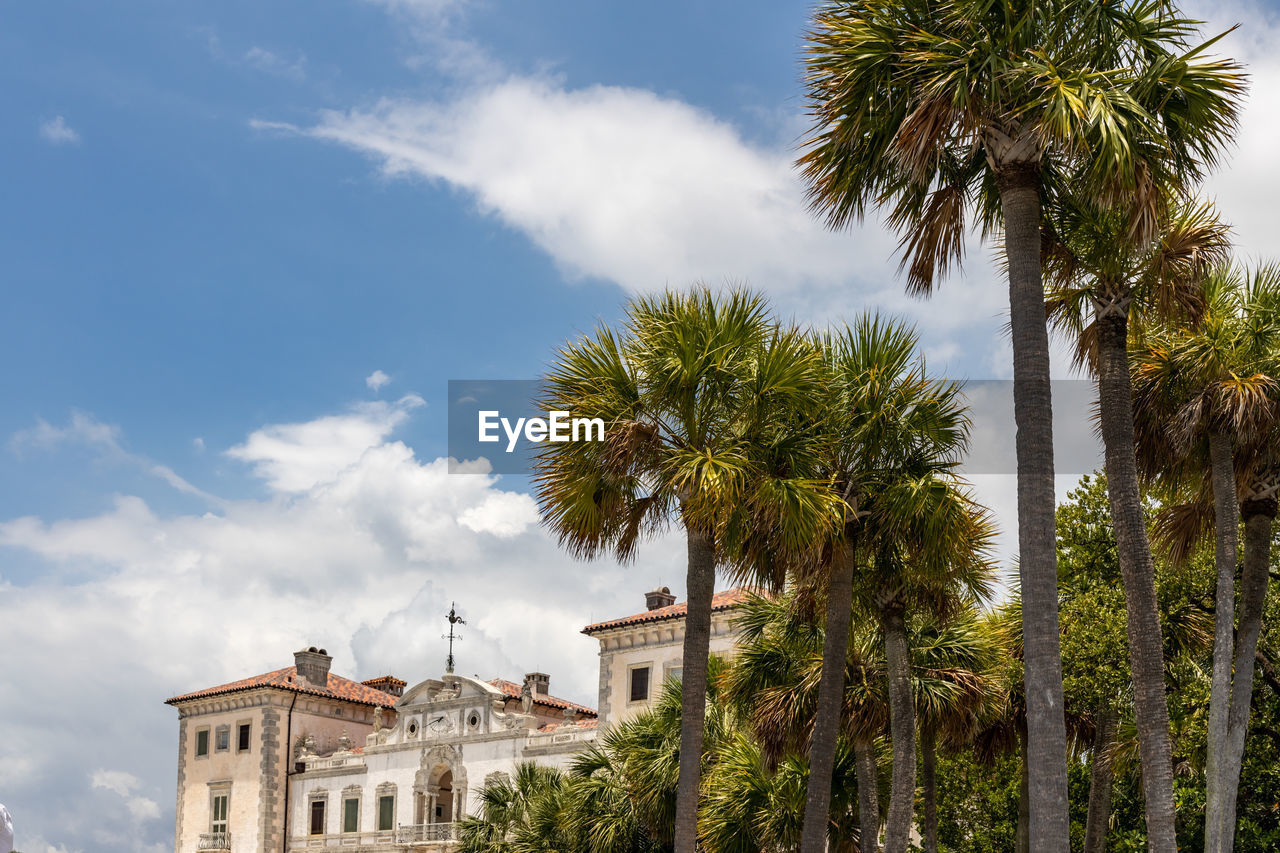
(1022, 836)
(1038, 566)
(929, 786)
(902, 729)
(864, 756)
(1226, 509)
(1259, 519)
(826, 724)
(1101, 781)
(701, 582)
(1146, 645)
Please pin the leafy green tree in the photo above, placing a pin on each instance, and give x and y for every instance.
(978, 801)
(936, 109)
(1209, 417)
(689, 394)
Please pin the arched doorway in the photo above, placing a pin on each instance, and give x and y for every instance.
(444, 800)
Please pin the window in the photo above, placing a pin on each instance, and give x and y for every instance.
(675, 672)
(202, 743)
(640, 683)
(387, 811)
(222, 739)
(351, 814)
(218, 812)
(317, 817)
(242, 737)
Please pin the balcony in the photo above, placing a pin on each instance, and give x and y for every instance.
(427, 833)
(214, 841)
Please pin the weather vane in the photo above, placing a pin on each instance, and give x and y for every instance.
(454, 619)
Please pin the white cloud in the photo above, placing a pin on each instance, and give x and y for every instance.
(377, 380)
(646, 191)
(88, 431)
(504, 514)
(37, 844)
(57, 132)
(613, 183)
(119, 781)
(80, 429)
(295, 457)
(273, 63)
(143, 808)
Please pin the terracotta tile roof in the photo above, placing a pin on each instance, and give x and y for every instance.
(512, 690)
(579, 724)
(287, 679)
(726, 600)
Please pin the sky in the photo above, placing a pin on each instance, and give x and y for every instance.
(245, 246)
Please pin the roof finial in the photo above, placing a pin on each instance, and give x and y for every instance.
(454, 619)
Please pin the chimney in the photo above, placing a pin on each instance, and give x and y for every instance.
(661, 597)
(541, 682)
(313, 665)
(387, 684)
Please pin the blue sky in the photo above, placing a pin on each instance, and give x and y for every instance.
(220, 219)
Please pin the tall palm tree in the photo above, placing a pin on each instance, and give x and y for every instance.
(893, 435)
(1209, 410)
(689, 395)
(933, 108)
(920, 580)
(1102, 281)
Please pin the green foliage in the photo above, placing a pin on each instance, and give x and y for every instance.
(978, 802)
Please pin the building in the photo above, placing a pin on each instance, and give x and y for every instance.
(300, 758)
(639, 652)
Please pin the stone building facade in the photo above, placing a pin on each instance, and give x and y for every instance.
(301, 758)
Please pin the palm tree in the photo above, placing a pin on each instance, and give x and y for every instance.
(934, 108)
(775, 682)
(1101, 283)
(1208, 399)
(890, 435)
(752, 803)
(919, 581)
(956, 667)
(512, 814)
(690, 395)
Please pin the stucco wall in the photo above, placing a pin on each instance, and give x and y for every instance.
(659, 645)
(238, 772)
(255, 777)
